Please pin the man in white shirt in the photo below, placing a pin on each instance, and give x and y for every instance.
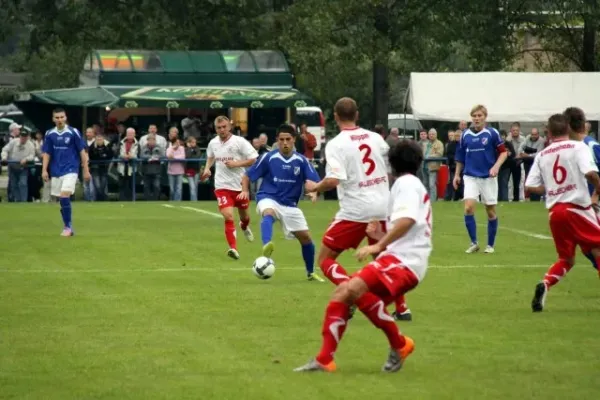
(401, 263)
(231, 155)
(562, 171)
(357, 167)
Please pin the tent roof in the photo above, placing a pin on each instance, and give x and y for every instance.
(508, 96)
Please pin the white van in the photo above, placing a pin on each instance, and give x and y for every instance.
(407, 124)
(315, 122)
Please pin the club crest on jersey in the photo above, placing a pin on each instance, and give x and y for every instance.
(296, 170)
(67, 140)
(484, 141)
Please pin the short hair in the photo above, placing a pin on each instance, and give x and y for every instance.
(221, 118)
(406, 156)
(346, 109)
(517, 124)
(190, 138)
(479, 107)
(379, 128)
(286, 128)
(58, 110)
(432, 130)
(558, 125)
(503, 133)
(576, 119)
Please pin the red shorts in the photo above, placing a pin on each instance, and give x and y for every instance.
(388, 278)
(343, 235)
(573, 226)
(228, 198)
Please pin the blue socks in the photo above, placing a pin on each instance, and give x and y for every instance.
(308, 254)
(590, 257)
(266, 228)
(471, 227)
(492, 229)
(65, 211)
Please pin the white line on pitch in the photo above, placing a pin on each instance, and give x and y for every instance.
(198, 210)
(193, 269)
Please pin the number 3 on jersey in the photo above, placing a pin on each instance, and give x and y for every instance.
(559, 173)
(365, 149)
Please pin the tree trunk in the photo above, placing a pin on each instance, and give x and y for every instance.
(590, 28)
(381, 93)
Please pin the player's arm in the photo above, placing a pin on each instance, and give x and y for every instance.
(502, 153)
(249, 155)
(459, 159)
(310, 177)
(535, 183)
(242, 163)
(587, 166)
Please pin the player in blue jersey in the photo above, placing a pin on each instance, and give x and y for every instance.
(479, 155)
(284, 173)
(64, 150)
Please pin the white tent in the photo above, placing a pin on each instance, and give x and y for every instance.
(508, 96)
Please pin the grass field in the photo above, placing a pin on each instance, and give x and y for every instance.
(144, 304)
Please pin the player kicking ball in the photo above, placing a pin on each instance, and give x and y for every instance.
(64, 150)
(480, 154)
(284, 173)
(401, 264)
(561, 171)
(231, 155)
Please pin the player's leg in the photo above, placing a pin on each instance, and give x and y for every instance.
(471, 196)
(226, 203)
(63, 187)
(242, 206)
(563, 236)
(308, 254)
(489, 197)
(587, 252)
(340, 236)
(269, 211)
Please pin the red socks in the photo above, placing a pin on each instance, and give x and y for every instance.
(230, 234)
(374, 309)
(401, 305)
(556, 273)
(244, 223)
(334, 271)
(334, 325)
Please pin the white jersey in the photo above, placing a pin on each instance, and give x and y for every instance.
(358, 159)
(236, 148)
(409, 199)
(561, 169)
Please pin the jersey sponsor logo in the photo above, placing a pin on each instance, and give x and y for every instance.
(276, 179)
(359, 137)
(223, 159)
(372, 182)
(558, 148)
(562, 190)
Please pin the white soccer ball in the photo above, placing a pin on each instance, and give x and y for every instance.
(263, 268)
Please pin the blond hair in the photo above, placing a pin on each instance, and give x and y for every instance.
(221, 118)
(479, 107)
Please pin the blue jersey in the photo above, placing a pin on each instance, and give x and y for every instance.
(478, 151)
(63, 148)
(595, 150)
(283, 178)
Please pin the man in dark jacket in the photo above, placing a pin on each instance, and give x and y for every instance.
(449, 152)
(100, 153)
(506, 168)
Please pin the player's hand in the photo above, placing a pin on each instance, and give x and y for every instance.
(310, 186)
(205, 175)
(45, 176)
(494, 171)
(87, 176)
(366, 251)
(231, 164)
(313, 196)
(243, 196)
(374, 229)
(456, 182)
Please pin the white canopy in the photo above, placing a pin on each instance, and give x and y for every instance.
(508, 96)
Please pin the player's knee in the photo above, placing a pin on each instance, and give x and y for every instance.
(227, 214)
(268, 211)
(303, 237)
(356, 288)
(469, 208)
(491, 211)
(342, 292)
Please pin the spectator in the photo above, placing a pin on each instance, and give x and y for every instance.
(100, 154)
(264, 143)
(175, 169)
(449, 153)
(256, 144)
(18, 153)
(529, 148)
(422, 142)
(506, 168)
(160, 140)
(36, 183)
(432, 148)
(192, 168)
(310, 142)
(393, 137)
(88, 187)
(128, 151)
(151, 153)
(191, 126)
(380, 129)
(517, 139)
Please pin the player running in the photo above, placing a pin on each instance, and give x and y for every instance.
(480, 154)
(231, 155)
(403, 256)
(64, 149)
(284, 173)
(577, 131)
(357, 167)
(560, 171)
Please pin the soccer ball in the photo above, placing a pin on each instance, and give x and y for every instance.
(263, 268)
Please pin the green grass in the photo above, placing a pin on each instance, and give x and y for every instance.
(144, 304)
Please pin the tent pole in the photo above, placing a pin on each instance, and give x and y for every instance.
(84, 118)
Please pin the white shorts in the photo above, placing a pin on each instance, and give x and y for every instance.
(291, 218)
(487, 188)
(65, 183)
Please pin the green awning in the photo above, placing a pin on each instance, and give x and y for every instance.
(170, 97)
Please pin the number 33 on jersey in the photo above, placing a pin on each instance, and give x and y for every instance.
(561, 169)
